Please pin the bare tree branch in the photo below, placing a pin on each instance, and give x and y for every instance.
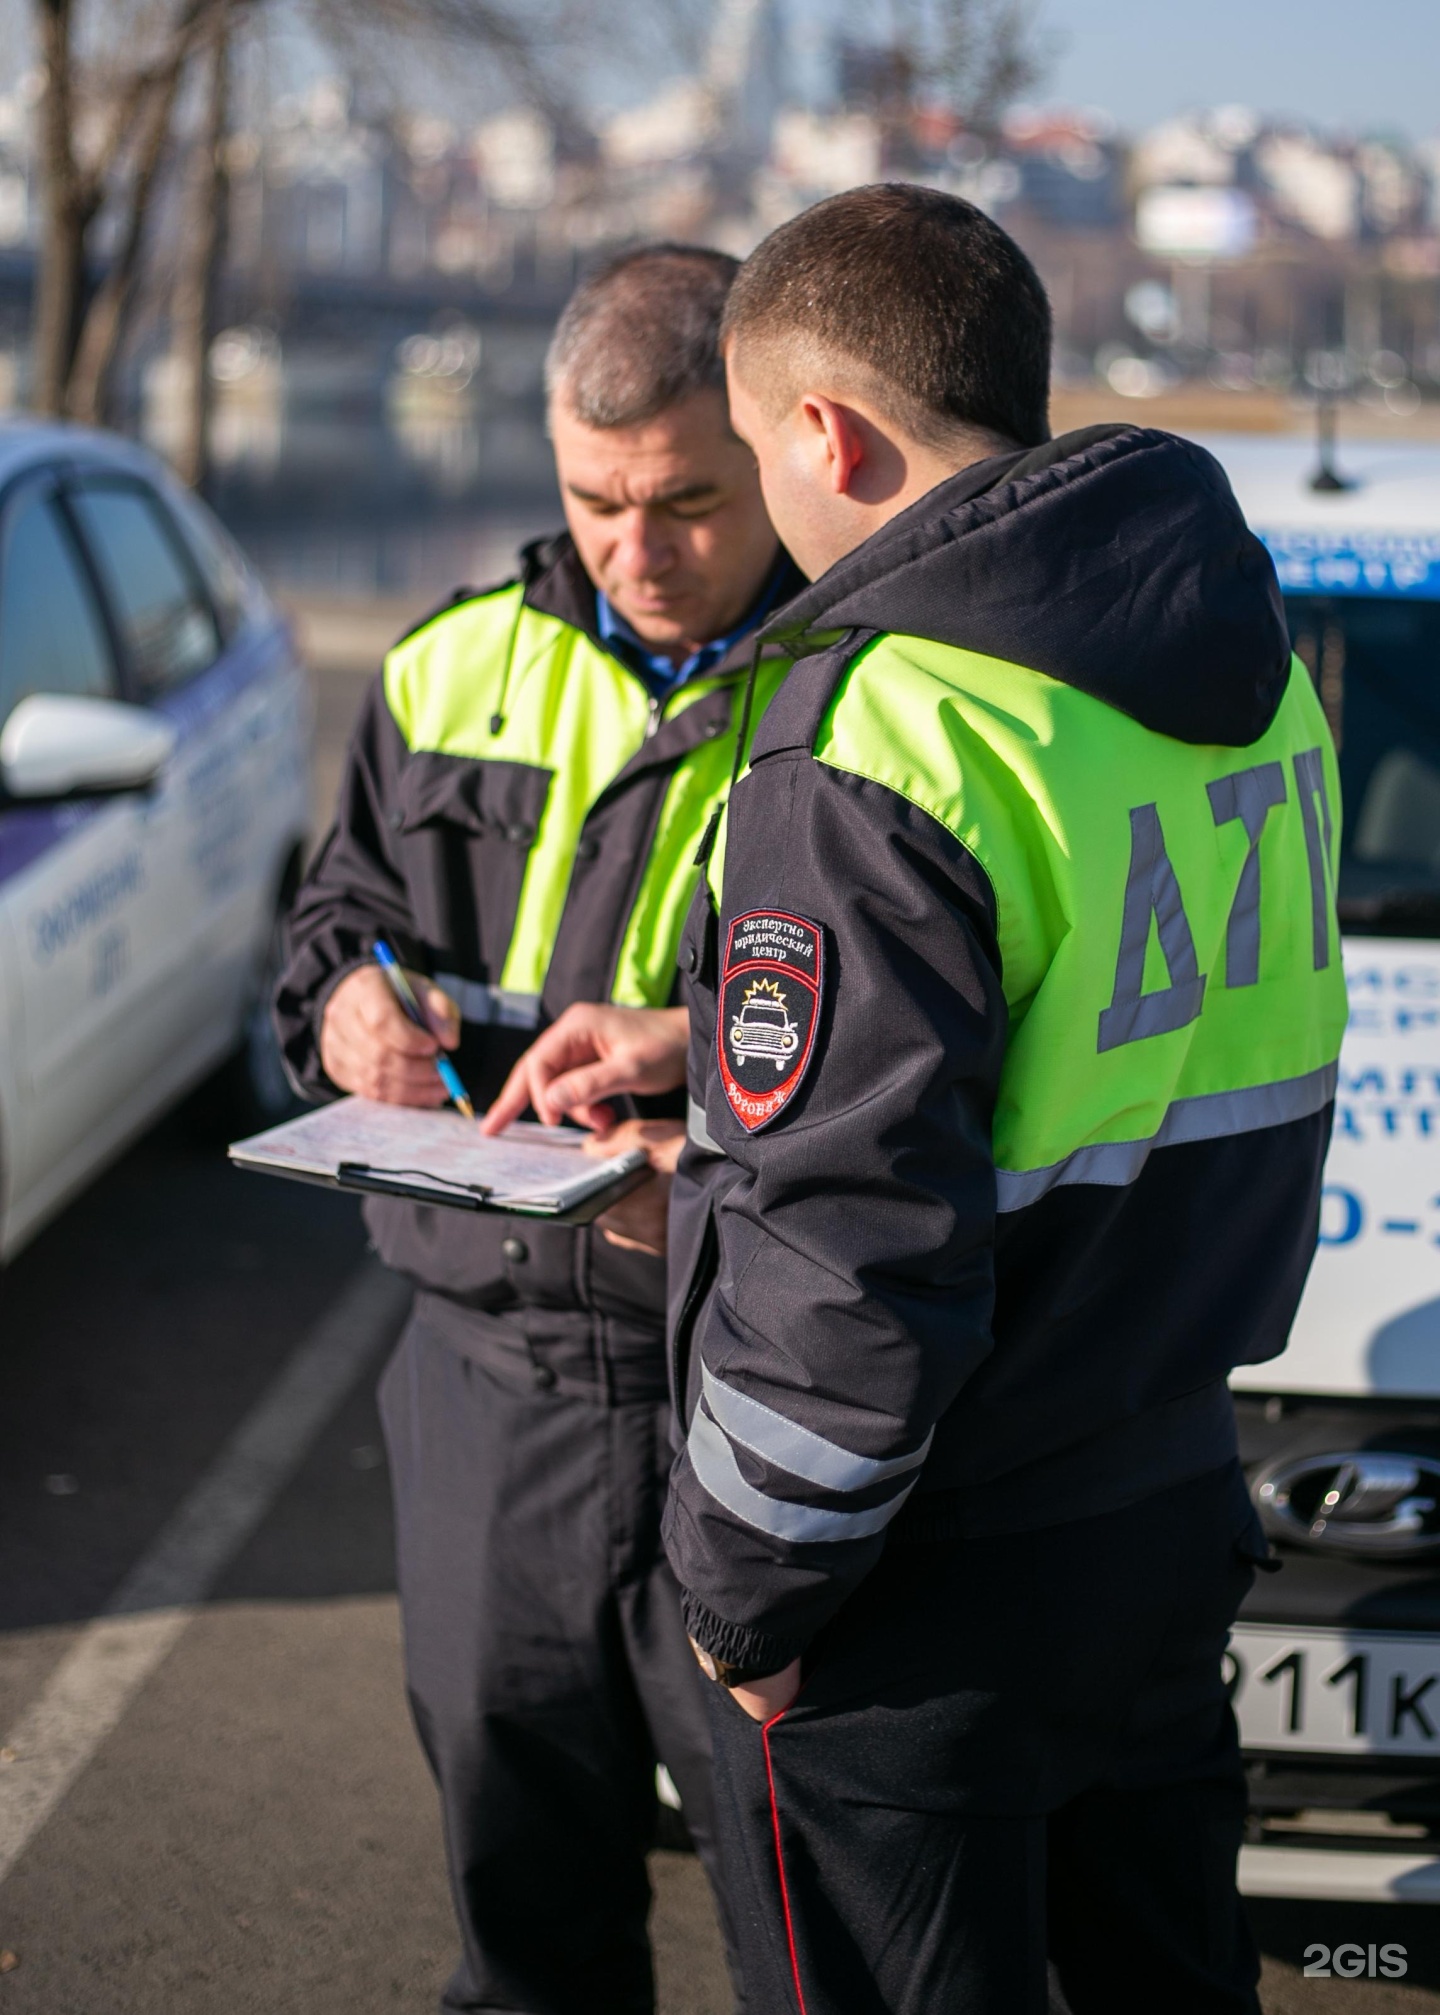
(68, 205)
(124, 88)
(151, 45)
(989, 57)
(974, 57)
(201, 250)
(526, 42)
(100, 334)
(75, 343)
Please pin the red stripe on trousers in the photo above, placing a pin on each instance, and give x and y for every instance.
(780, 1860)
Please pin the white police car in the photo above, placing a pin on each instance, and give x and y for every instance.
(154, 803)
(1336, 1659)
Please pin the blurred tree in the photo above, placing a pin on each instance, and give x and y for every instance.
(968, 58)
(113, 74)
(192, 298)
(105, 114)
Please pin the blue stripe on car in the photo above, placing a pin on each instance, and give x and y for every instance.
(1357, 563)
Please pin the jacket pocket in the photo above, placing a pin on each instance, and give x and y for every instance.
(466, 829)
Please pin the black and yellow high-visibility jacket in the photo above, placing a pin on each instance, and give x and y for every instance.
(1017, 1001)
(519, 818)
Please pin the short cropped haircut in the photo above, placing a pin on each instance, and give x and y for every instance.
(939, 307)
(641, 334)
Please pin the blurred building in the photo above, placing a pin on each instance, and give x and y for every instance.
(1294, 257)
(400, 269)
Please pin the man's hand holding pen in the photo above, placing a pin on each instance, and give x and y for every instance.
(369, 1046)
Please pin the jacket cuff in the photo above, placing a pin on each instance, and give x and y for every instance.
(754, 1651)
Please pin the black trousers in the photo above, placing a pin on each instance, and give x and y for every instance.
(1006, 1748)
(548, 1670)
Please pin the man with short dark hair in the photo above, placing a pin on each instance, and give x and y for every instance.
(957, 357)
(1015, 1005)
(519, 816)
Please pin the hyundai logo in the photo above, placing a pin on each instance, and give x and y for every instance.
(1379, 1503)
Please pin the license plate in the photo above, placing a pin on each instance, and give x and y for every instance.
(1361, 1692)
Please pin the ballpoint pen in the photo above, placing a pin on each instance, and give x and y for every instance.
(405, 994)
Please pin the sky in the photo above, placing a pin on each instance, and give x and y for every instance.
(1372, 67)
(1359, 65)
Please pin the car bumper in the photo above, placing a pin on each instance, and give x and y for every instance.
(1338, 1824)
(1339, 1875)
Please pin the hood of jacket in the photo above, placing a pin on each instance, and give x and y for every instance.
(1114, 559)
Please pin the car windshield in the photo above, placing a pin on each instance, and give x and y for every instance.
(1376, 663)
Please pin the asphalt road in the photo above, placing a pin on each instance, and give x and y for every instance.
(211, 1802)
(238, 1817)
(256, 1831)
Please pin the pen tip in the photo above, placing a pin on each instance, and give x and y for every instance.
(463, 1105)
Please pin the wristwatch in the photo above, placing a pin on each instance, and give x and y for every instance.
(723, 1672)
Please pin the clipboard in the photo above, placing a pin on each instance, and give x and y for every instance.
(437, 1157)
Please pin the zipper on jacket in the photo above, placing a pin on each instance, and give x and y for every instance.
(652, 719)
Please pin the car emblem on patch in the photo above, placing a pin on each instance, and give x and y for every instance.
(769, 1011)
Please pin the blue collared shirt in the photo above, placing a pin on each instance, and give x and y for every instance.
(658, 674)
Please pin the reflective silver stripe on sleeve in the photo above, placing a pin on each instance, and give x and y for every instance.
(713, 1460)
(697, 1129)
(797, 1450)
(480, 1003)
(1211, 1116)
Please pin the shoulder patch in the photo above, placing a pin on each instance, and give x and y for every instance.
(769, 1011)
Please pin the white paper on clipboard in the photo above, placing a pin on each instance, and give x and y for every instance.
(534, 1170)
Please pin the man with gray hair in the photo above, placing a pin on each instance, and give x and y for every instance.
(519, 816)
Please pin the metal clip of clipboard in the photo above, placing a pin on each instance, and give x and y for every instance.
(393, 1182)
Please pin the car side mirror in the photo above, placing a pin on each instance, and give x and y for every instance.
(62, 745)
